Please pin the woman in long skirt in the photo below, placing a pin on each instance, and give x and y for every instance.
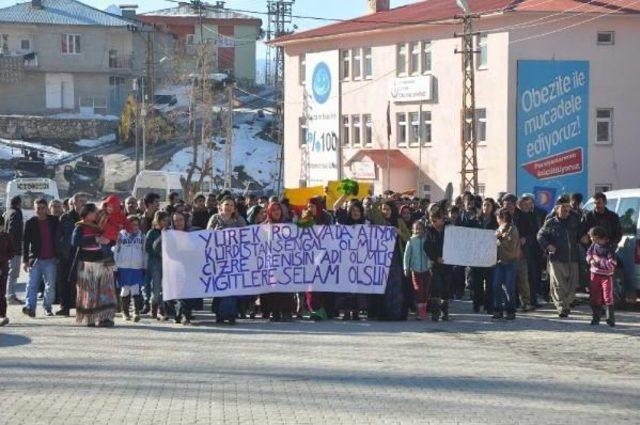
(96, 297)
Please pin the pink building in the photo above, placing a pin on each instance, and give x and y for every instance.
(393, 63)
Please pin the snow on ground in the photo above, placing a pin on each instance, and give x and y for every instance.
(258, 156)
(10, 149)
(84, 116)
(94, 143)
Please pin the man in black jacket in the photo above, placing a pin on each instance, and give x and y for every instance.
(603, 217)
(40, 257)
(559, 236)
(14, 224)
(442, 273)
(66, 285)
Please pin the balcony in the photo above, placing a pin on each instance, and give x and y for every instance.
(120, 62)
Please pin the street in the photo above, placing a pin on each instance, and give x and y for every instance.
(536, 370)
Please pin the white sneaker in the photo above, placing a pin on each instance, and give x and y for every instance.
(4, 321)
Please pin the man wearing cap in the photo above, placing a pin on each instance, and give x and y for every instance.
(559, 236)
(509, 201)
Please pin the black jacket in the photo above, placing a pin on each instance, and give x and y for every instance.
(67, 225)
(434, 245)
(14, 224)
(31, 240)
(564, 235)
(608, 220)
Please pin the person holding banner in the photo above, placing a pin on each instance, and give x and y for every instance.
(153, 248)
(505, 274)
(321, 305)
(226, 308)
(483, 288)
(350, 304)
(277, 306)
(184, 307)
(441, 273)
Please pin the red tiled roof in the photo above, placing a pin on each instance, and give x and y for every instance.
(439, 10)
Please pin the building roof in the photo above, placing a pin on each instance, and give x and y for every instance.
(431, 11)
(61, 12)
(186, 10)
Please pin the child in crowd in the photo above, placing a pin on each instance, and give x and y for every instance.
(6, 254)
(153, 248)
(130, 259)
(416, 266)
(504, 279)
(602, 261)
(111, 220)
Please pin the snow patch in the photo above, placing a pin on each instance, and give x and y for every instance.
(93, 143)
(10, 149)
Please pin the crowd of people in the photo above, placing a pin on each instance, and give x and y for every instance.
(100, 259)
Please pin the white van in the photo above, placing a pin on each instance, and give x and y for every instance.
(31, 189)
(626, 203)
(161, 182)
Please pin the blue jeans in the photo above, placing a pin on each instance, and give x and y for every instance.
(42, 269)
(504, 282)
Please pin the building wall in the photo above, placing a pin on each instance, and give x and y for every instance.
(614, 74)
(25, 97)
(245, 53)
(495, 91)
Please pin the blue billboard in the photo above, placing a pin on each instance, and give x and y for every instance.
(552, 137)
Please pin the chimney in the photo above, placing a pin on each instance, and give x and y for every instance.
(36, 4)
(128, 11)
(376, 6)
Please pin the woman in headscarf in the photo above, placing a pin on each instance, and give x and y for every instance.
(277, 306)
(350, 304)
(394, 305)
(96, 297)
(226, 308)
(321, 305)
(247, 304)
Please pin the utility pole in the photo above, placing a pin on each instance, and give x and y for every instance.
(229, 143)
(279, 18)
(469, 145)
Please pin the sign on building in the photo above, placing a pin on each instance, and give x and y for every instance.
(322, 111)
(552, 129)
(412, 89)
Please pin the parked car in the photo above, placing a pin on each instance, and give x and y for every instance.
(626, 203)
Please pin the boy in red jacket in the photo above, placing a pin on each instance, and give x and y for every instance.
(6, 253)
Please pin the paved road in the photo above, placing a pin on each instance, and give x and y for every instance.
(536, 370)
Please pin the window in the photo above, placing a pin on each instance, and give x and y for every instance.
(346, 130)
(426, 191)
(481, 126)
(415, 57)
(25, 45)
(414, 125)
(628, 212)
(356, 54)
(303, 68)
(70, 44)
(426, 56)
(606, 38)
(426, 122)
(368, 130)
(401, 128)
(602, 187)
(357, 138)
(482, 188)
(604, 126)
(113, 58)
(401, 60)
(346, 64)
(368, 64)
(190, 39)
(4, 43)
(482, 55)
(303, 131)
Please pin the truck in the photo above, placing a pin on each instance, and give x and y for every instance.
(32, 164)
(31, 189)
(87, 175)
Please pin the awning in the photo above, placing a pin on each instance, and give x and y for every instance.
(379, 157)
